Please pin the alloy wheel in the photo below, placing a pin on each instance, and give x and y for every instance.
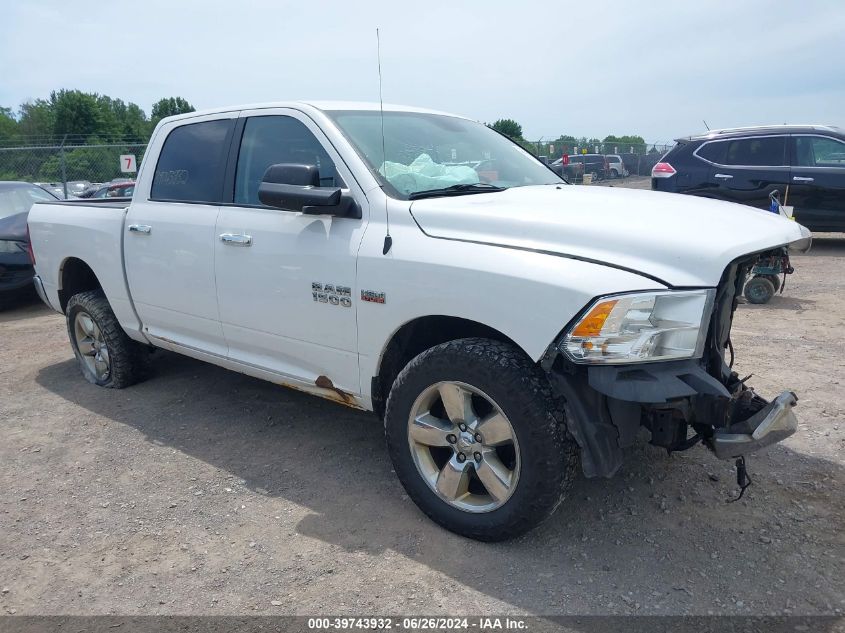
(464, 446)
(92, 345)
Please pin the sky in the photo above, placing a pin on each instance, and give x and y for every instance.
(590, 68)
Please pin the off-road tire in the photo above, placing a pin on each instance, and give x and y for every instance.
(549, 455)
(129, 360)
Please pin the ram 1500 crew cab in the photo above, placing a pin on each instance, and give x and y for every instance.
(417, 264)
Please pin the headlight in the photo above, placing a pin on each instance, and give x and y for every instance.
(635, 328)
(8, 246)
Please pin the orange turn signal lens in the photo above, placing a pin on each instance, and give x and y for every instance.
(592, 324)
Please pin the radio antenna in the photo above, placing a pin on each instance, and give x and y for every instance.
(388, 241)
(705, 124)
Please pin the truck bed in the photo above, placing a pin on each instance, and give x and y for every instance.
(88, 230)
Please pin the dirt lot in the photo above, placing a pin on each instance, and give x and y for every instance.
(202, 491)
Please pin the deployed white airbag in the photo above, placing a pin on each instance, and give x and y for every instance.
(424, 174)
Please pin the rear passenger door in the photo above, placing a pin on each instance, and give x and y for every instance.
(747, 170)
(817, 185)
(286, 288)
(169, 235)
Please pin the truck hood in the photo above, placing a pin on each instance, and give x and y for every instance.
(675, 239)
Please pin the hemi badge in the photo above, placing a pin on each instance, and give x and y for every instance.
(372, 296)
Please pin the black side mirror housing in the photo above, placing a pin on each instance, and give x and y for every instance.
(295, 187)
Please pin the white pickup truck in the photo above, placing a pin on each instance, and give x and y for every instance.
(419, 265)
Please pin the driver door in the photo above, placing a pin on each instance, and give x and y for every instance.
(286, 281)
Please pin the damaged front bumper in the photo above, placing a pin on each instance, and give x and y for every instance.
(775, 422)
(679, 403)
(682, 403)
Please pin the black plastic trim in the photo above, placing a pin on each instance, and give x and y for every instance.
(230, 171)
(654, 383)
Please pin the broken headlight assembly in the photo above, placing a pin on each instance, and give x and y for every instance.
(641, 327)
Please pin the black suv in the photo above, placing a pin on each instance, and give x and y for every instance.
(804, 163)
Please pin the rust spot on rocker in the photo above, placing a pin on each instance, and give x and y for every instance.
(324, 382)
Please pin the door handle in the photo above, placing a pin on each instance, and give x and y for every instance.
(723, 176)
(144, 229)
(801, 179)
(236, 239)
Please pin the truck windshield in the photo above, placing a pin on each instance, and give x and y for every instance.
(429, 152)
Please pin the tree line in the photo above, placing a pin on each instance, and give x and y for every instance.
(83, 117)
(566, 143)
(93, 130)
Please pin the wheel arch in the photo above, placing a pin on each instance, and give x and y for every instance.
(75, 276)
(417, 335)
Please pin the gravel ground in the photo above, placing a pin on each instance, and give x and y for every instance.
(203, 491)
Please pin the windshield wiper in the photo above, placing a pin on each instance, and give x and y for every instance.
(456, 190)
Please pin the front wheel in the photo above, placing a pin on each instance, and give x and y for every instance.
(107, 356)
(477, 439)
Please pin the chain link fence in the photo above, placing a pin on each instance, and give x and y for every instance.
(68, 168)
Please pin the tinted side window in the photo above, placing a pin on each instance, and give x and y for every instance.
(190, 166)
(714, 152)
(816, 151)
(269, 140)
(757, 152)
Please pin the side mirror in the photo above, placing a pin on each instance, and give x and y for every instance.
(294, 187)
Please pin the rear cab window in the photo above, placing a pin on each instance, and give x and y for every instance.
(192, 162)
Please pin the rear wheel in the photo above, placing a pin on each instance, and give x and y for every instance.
(759, 290)
(477, 439)
(107, 356)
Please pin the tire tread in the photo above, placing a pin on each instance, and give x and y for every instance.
(516, 372)
(129, 359)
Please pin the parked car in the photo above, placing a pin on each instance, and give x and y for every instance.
(615, 166)
(573, 172)
(16, 270)
(499, 320)
(76, 187)
(578, 164)
(122, 189)
(55, 188)
(593, 164)
(805, 164)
